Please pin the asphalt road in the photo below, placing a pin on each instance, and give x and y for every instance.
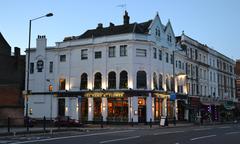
(220, 134)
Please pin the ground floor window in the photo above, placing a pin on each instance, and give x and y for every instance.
(84, 109)
(97, 102)
(158, 108)
(170, 109)
(117, 109)
(61, 107)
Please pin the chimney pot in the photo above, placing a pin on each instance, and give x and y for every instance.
(126, 18)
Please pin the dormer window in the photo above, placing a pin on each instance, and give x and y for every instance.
(157, 32)
(169, 38)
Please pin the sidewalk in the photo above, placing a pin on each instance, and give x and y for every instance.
(87, 127)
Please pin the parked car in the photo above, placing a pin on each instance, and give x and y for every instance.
(65, 121)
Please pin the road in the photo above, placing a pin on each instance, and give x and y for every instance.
(220, 134)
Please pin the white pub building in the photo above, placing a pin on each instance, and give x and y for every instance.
(120, 73)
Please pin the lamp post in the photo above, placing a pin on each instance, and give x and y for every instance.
(28, 61)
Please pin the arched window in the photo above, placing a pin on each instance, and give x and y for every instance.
(141, 79)
(112, 80)
(123, 80)
(98, 80)
(160, 81)
(155, 85)
(167, 83)
(84, 81)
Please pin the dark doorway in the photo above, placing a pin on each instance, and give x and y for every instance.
(61, 107)
(141, 110)
(83, 109)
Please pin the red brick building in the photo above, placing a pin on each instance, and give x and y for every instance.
(12, 76)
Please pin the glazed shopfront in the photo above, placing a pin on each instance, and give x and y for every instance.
(117, 106)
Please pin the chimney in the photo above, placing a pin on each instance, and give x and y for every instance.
(111, 24)
(41, 42)
(100, 25)
(16, 52)
(126, 18)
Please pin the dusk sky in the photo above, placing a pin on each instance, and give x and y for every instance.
(212, 22)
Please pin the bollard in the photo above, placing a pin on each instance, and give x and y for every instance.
(8, 121)
(150, 122)
(132, 122)
(27, 124)
(101, 121)
(58, 122)
(44, 124)
(174, 121)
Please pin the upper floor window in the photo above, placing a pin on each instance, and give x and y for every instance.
(141, 52)
(98, 80)
(112, 51)
(50, 67)
(155, 85)
(98, 54)
(171, 58)
(62, 58)
(179, 63)
(160, 81)
(141, 79)
(196, 54)
(62, 83)
(123, 50)
(31, 68)
(112, 80)
(160, 54)
(154, 53)
(123, 80)
(84, 54)
(166, 57)
(84, 81)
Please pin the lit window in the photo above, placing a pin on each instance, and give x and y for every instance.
(62, 83)
(50, 88)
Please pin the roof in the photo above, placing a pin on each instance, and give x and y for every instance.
(141, 28)
(5, 48)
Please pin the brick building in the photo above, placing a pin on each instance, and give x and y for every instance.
(237, 71)
(11, 80)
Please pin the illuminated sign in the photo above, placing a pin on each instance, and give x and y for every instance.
(104, 94)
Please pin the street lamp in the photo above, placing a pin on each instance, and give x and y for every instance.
(28, 61)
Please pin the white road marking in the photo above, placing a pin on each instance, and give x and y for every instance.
(202, 129)
(224, 127)
(202, 137)
(163, 133)
(229, 133)
(120, 139)
(75, 136)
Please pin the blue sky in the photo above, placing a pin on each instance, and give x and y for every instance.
(212, 22)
